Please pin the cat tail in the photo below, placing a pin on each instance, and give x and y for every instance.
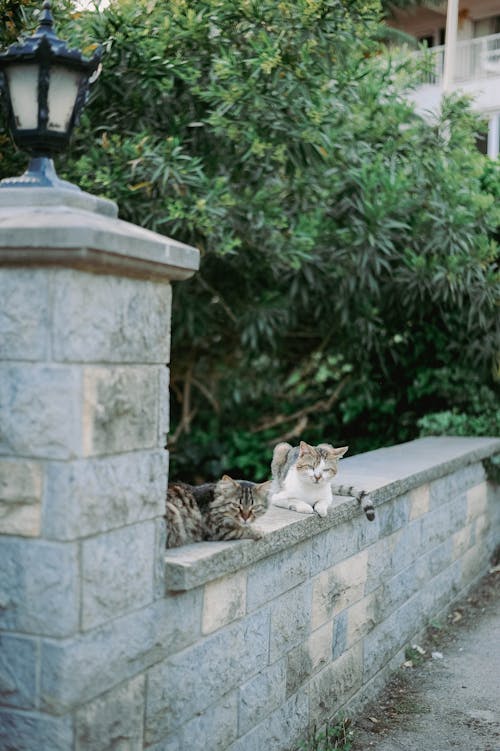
(278, 464)
(362, 497)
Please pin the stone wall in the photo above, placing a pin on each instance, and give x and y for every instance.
(287, 631)
(106, 644)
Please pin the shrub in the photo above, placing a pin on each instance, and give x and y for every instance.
(348, 246)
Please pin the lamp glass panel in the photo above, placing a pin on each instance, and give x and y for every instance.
(23, 88)
(63, 90)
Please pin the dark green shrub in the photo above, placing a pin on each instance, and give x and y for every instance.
(348, 247)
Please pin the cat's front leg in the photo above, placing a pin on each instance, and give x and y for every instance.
(239, 532)
(253, 534)
(321, 507)
(293, 504)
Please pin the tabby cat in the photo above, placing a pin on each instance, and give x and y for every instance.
(222, 510)
(302, 479)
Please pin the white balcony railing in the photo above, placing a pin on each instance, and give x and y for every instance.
(474, 59)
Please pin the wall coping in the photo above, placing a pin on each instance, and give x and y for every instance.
(71, 228)
(386, 473)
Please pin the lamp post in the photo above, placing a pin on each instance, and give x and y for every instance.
(45, 86)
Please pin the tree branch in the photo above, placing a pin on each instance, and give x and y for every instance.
(219, 298)
(322, 405)
(187, 414)
(207, 394)
(297, 430)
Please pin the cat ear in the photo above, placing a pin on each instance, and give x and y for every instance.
(303, 448)
(339, 453)
(226, 478)
(264, 487)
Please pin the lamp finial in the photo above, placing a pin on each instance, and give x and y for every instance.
(46, 25)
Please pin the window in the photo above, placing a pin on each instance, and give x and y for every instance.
(428, 40)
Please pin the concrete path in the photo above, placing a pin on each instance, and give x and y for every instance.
(445, 704)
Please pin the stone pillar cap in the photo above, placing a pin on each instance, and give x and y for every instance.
(52, 226)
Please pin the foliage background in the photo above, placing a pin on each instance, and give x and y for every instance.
(349, 284)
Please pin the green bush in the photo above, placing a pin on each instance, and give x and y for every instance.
(348, 246)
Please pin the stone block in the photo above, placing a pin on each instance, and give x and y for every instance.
(473, 563)
(335, 545)
(380, 644)
(163, 405)
(394, 592)
(276, 574)
(433, 562)
(394, 514)
(20, 497)
(39, 588)
(117, 573)
(40, 411)
(462, 540)
(448, 487)
(159, 559)
(440, 590)
(24, 314)
(214, 729)
(89, 496)
(340, 625)
(189, 682)
(280, 730)
(18, 668)
(261, 695)
(477, 501)
(362, 617)
(442, 522)
(379, 566)
(338, 587)
(494, 504)
(224, 601)
(367, 532)
(290, 620)
(180, 619)
(120, 409)
(105, 318)
(309, 657)
(419, 501)
(114, 720)
(29, 731)
(333, 686)
(405, 546)
(483, 526)
(75, 671)
(173, 742)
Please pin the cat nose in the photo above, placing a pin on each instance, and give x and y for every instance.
(317, 476)
(245, 514)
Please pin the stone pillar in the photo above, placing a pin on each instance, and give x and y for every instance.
(84, 350)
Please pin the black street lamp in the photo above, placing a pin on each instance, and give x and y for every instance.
(45, 86)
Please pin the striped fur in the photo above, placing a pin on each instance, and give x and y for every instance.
(361, 496)
(224, 510)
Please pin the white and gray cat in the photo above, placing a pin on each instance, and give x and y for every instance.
(303, 479)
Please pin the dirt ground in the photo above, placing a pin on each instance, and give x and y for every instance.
(449, 700)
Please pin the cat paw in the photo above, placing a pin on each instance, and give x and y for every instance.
(301, 508)
(321, 510)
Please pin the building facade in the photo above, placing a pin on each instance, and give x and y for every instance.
(463, 40)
